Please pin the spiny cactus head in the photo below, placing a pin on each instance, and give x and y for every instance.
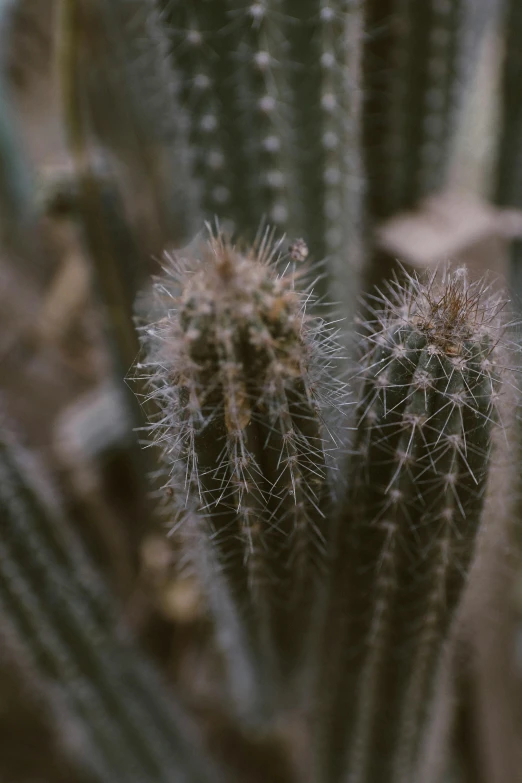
(434, 372)
(443, 313)
(237, 350)
(237, 296)
(451, 310)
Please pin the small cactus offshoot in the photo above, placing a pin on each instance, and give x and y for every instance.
(407, 530)
(241, 374)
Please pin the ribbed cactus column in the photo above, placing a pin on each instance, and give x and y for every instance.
(508, 185)
(407, 530)
(62, 619)
(415, 62)
(271, 92)
(418, 59)
(128, 94)
(240, 372)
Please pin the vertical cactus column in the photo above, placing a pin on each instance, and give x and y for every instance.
(417, 61)
(271, 91)
(508, 185)
(20, 233)
(406, 532)
(61, 618)
(118, 265)
(412, 72)
(128, 93)
(240, 373)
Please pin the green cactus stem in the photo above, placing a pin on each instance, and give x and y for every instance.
(418, 59)
(60, 615)
(241, 374)
(508, 185)
(415, 61)
(270, 89)
(406, 532)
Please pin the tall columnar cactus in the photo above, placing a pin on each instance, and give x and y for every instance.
(118, 264)
(285, 107)
(240, 373)
(65, 625)
(271, 92)
(412, 79)
(19, 231)
(418, 59)
(130, 93)
(508, 185)
(407, 529)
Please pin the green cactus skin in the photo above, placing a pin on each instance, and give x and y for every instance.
(26, 42)
(418, 59)
(240, 372)
(270, 89)
(508, 185)
(407, 529)
(63, 620)
(414, 64)
(19, 230)
(34, 718)
(118, 265)
(17, 208)
(118, 268)
(129, 100)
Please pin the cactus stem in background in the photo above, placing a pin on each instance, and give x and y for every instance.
(270, 89)
(59, 612)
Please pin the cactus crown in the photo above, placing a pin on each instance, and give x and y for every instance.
(237, 339)
(446, 306)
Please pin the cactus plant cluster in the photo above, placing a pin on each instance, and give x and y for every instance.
(330, 505)
(230, 361)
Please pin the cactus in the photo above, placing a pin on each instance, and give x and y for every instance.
(118, 265)
(241, 375)
(33, 719)
(124, 73)
(270, 89)
(18, 226)
(412, 80)
(508, 184)
(64, 622)
(288, 97)
(283, 108)
(407, 529)
(417, 62)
